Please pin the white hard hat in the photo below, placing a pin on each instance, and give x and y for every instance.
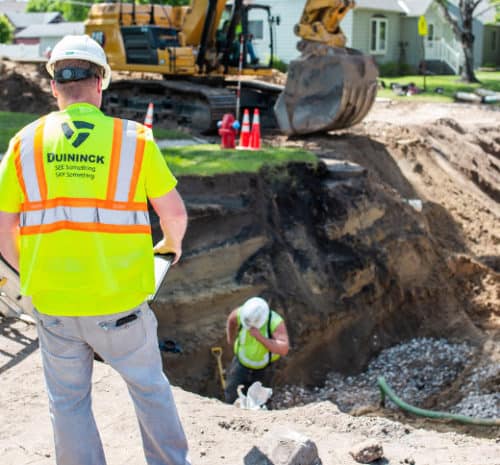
(254, 313)
(80, 47)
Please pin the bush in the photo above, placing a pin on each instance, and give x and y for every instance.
(6, 30)
(395, 69)
(280, 65)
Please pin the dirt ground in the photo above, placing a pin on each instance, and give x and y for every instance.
(449, 156)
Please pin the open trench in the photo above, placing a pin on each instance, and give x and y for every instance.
(351, 266)
(355, 270)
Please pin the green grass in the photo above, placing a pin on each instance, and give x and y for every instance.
(207, 160)
(449, 84)
(169, 134)
(10, 123)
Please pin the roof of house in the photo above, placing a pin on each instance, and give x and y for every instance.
(417, 7)
(485, 12)
(20, 20)
(382, 5)
(51, 30)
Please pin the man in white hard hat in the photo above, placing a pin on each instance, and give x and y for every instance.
(259, 337)
(74, 221)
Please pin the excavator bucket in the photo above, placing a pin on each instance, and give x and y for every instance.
(327, 88)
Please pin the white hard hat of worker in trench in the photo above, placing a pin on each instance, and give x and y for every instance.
(254, 313)
(78, 47)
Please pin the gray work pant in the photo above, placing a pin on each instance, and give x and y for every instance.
(67, 346)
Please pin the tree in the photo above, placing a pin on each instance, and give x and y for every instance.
(6, 30)
(462, 27)
(77, 10)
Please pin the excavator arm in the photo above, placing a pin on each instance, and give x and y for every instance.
(320, 21)
(329, 86)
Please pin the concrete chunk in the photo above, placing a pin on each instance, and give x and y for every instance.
(284, 448)
(367, 451)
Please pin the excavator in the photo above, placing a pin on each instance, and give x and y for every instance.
(191, 61)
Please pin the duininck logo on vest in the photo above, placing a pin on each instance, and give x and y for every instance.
(81, 136)
(75, 165)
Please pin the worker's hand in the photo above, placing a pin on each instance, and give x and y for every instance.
(165, 247)
(255, 333)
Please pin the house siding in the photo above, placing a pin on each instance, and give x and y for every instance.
(491, 46)
(286, 41)
(27, 41)
(289, 12)
(412, 42)
(361, 34)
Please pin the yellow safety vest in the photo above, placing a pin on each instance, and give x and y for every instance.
(250, 352)
(85, 246)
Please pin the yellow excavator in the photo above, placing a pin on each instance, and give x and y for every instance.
(201, 51)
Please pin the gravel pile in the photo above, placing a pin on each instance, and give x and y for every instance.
(480, 395)
(415, 371)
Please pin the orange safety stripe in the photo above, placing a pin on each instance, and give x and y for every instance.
(38, 157)
(89, 227)
(115, 157)
(83, 202)
(19, 168)
(139, 155)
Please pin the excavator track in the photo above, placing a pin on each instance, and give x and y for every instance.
(183, 103)
(190, 103)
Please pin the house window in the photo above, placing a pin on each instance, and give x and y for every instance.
(256, 27)
(378, 35)
(430, 34)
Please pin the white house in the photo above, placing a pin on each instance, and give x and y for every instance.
(388, 30)
(47, 35)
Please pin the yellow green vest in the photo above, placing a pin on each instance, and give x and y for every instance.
(250, 352)
(85, 235)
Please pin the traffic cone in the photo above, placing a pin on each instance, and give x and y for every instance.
(148, 121)
(255, 133)
(245, 131)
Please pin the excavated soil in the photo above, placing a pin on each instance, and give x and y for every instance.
(393, 237)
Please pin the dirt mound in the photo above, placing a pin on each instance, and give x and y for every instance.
(25, 88)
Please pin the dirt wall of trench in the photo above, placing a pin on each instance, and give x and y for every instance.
(350, 265)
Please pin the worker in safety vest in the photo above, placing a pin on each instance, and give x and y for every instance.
(259, 337)
(74, 221)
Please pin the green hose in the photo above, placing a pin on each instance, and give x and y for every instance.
(385, 389)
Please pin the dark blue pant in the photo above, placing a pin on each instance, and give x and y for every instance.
(239, 374)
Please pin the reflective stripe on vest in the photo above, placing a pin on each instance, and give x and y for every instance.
(117, 213)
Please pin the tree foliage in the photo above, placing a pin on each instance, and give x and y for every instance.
(6, 30)
(77, 10)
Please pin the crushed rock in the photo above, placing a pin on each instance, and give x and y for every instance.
(416, 371)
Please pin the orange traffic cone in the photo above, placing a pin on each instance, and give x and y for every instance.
(255, 133)
(245, 131)
(148, 121)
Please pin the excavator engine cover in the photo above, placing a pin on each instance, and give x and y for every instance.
(327, 88)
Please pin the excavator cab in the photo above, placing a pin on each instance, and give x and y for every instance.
(248, 22)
